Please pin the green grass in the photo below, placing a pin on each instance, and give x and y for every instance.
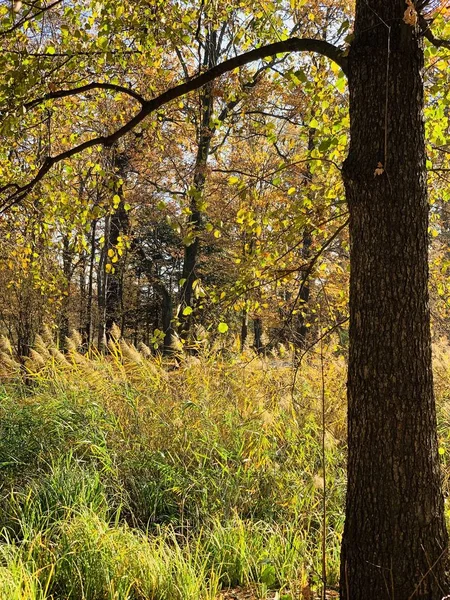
(123, 481)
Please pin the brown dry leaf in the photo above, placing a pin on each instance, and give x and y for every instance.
(379, 170)
(410, 17)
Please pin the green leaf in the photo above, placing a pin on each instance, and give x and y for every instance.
(102, 42)
(222, 328)
(187, 311)
(50, 50)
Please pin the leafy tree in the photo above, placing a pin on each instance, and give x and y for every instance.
(395, 541)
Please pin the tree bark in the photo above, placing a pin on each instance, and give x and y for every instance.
(395, 539)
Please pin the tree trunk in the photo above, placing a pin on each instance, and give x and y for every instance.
(88, 329)
(167, 316)
(204, 134)
(102, 283)
(191, 251)
(258, 332)
(119, 225)
(64, 321)
(301, 330)
(395, 539)
(244, 329)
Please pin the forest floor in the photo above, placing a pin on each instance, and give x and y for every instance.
(123, 481)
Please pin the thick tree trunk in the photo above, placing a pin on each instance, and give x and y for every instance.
(395, 539)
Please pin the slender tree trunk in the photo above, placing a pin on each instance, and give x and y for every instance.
(89, 330)
(244, 329)
(395, 539)
(102, 284)
(205, 133)
(119, 225)
(114, 288)
(64, 324)
(303, 295)
(166, 317)
(83, 295)
(191, 251)
(303, 298)
(258, 332)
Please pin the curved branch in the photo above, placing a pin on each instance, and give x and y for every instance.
(85, 88)
(149, 106)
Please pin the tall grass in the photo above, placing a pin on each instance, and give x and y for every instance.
(123, 479)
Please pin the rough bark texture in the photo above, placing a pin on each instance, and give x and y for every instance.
(395, 539)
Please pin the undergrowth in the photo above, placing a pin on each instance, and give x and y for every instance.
(125, 480)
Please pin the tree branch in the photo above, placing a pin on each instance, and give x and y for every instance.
(28, 17)
(426, 32)
(149, 106)
(86, 88)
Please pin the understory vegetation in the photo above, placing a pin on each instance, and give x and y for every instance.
(125, 478)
